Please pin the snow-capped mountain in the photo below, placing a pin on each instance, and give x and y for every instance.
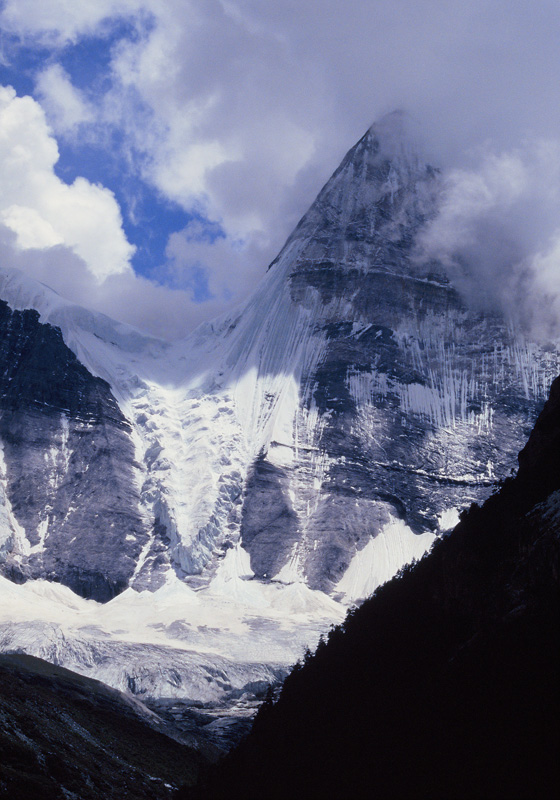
(233, 491)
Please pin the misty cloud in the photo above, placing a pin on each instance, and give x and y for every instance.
(497, 233)
(62, 102)
(147, 305)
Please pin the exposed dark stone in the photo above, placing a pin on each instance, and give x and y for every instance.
(38, 370)
(69, 463)
(269, 526)
(63, 735)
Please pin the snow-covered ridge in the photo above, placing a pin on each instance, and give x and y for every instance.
(22, 292)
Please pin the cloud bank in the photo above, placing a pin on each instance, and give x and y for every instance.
(44, 211)
(239, 110)
(497, 233)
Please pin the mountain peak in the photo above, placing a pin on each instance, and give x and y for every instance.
(245, 484)
(374, 203)
(397, 137)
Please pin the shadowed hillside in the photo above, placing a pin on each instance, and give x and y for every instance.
(444, 684)
(66, 736)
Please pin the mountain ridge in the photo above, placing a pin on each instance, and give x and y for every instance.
(66, 736)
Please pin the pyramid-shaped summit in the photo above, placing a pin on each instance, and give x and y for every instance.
(369, 403)
(372, 206)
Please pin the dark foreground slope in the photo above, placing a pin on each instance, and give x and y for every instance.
(444, 684)
(65, 736)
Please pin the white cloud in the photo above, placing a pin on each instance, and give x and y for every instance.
(65, 107)
(182, 171)
(231, 268)
(155, 309)
(498, 233)
(59, 21)
(544, 279)
(40, 208)
(71, 238)
(242, 108)
(31, 229)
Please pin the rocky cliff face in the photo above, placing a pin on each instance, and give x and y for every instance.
(63, 735)
(71, 502)
(288, 456)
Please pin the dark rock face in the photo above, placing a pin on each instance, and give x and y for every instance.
(539, 461)
(269, 525)
(445, 683)
(69, 464)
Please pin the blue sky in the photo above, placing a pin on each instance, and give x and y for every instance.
(149, 218)
(159, 152)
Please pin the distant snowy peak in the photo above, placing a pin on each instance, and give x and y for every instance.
(109, 349)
